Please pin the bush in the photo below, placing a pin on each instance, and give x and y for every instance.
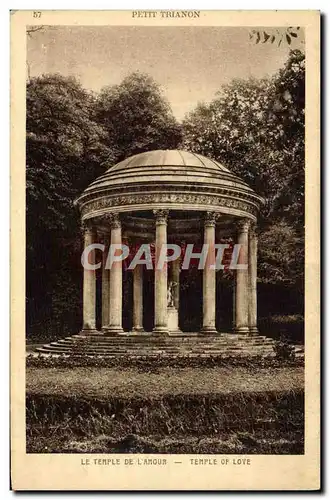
(284, 350)
(290, 327)
(148, 364)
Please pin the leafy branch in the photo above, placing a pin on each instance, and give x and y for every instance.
(262, 36)
(33, 29)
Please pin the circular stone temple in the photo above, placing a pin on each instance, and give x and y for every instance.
(163, 197)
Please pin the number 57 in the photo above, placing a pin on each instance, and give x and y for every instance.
(36, 14)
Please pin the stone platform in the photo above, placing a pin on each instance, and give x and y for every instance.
(150, 346)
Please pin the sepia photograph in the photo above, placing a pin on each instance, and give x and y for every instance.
(165, 241)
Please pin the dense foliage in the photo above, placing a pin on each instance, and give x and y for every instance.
(256, 127)
(137, 117)
(72, 137)
(65, 150)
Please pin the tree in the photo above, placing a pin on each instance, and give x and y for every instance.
(137, 117)
(287, 135)
(65, 150)
(281, 255)
(72, 137)
(256, 128)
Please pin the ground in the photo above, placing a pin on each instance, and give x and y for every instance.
(167, 410)
(104, 383)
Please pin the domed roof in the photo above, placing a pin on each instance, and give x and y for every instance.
(170, 179)
(169, 157)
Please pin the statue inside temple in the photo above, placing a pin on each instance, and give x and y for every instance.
(170, 293)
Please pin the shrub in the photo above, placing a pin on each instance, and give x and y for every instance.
(148, 364)
(284, 351)
(277, 326)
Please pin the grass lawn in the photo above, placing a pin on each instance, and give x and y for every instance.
(103, 383)
(167, 410)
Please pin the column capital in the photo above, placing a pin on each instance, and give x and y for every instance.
(160, 216)
(113, 220)
(86, 226)
(211, 218)
(243, 225)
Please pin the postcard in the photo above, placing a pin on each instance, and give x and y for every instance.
(165, 250)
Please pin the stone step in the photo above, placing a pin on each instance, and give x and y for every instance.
(52, 349)
(148, 346)
(162, 348)
(172, 342)
(117, 348)
(149, 356)
(168, 338)
(128, 350)
(204, 345)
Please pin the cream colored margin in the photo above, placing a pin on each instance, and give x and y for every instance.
(52, 472)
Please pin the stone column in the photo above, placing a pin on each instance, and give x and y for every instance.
(234, 305)
(105, 285)
(138, 299)
(209, 281)
(176, 278)
(161, 324)
(253, 251)
(242, 288)
(116, 278)
(89, 285)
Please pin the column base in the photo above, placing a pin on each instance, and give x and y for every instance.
(138, 329)
(174, 332)
(242, 329)
(209, 330)
(112, 331)
(90, 331)
(160, 330)
(254, 330)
